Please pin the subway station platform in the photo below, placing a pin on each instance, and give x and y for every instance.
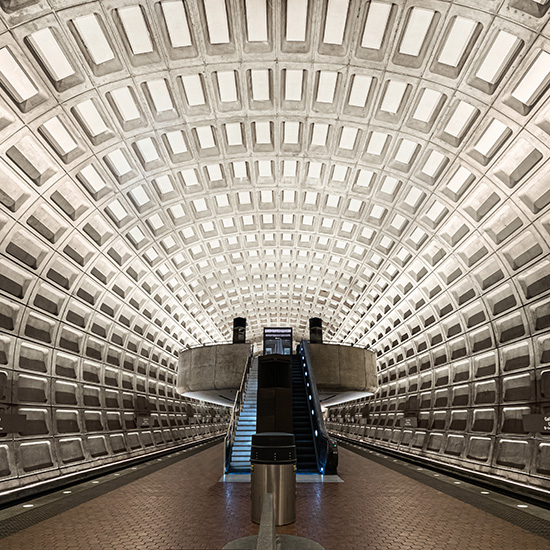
(178, 503)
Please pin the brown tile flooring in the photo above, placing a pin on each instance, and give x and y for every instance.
(183, 506)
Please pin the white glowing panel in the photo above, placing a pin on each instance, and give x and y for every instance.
(176, 23)
(296, 20)
(125, 104)
(291, 132)
(310, 197)
(239, 169)
(335, 22)
(314, 170)
(234, 133)
(60, 135)
(360, 90)
(498, 57)
(417, 27)
(395, 90)
(14, 78)
(319, 135)
(266, 196)
(160, 95)
(118, 162)
(426, 106)
(260, 84)
(206, 137)
(189, 177)
(290, 168)
(339, 173)
(176, 142)
(457, 40)
(413, 198)
(375, 25)
(355, 205)
(214, 172)
(327, 86)
(460, 119)
(364, 178)
(436, 211)
(117, 210)
(216, 21)
(263, 132)
(433, 163)
(140, 195)
(289, 195)
(293, 84)
(164, 185)
(193, 89)
(406, 150)
(200, 205)
(256, 20)
(92, 179)
(417, 236)
(491, 137)
(460, 180)
(136, 29)
(389, 186)
(534, 81)
(377, 212)
(51, 54)
(377, 143)
(348, 138)
(265, 169)
(147, 150)
(94, 38)
(244, 197)
(227, 86)
(91, 118)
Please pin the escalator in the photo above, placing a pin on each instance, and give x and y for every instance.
(302, 427)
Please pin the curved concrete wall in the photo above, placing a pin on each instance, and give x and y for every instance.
(469, 412)
(212, 371)
(343, 368)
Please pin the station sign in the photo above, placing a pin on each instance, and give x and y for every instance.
(409, 422)
(144, 422)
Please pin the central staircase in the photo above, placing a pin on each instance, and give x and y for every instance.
(246, 425)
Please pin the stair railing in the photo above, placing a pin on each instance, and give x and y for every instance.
(236, 411)
(325, 447)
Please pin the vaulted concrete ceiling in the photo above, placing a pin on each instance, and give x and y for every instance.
(167, 166)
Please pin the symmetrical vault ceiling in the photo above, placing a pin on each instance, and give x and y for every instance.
(167, 166)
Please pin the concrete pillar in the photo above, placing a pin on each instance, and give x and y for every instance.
(239, 330)
(316, 330)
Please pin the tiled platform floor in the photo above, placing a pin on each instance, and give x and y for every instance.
(183, 506)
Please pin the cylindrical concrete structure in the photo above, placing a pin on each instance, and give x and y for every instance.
(273, 470)
(239, 330)
(316, 330)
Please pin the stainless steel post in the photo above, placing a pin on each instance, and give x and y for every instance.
(273, 470)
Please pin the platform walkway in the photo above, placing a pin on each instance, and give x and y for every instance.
(178, 504)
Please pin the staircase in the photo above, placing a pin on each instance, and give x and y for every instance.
(246, 425)
(301, 423)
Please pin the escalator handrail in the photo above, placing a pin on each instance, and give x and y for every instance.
(236, 411)
(322, 439)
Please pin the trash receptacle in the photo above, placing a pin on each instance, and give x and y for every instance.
(273, 470)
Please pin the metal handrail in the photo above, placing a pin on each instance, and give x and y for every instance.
(236, 411)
